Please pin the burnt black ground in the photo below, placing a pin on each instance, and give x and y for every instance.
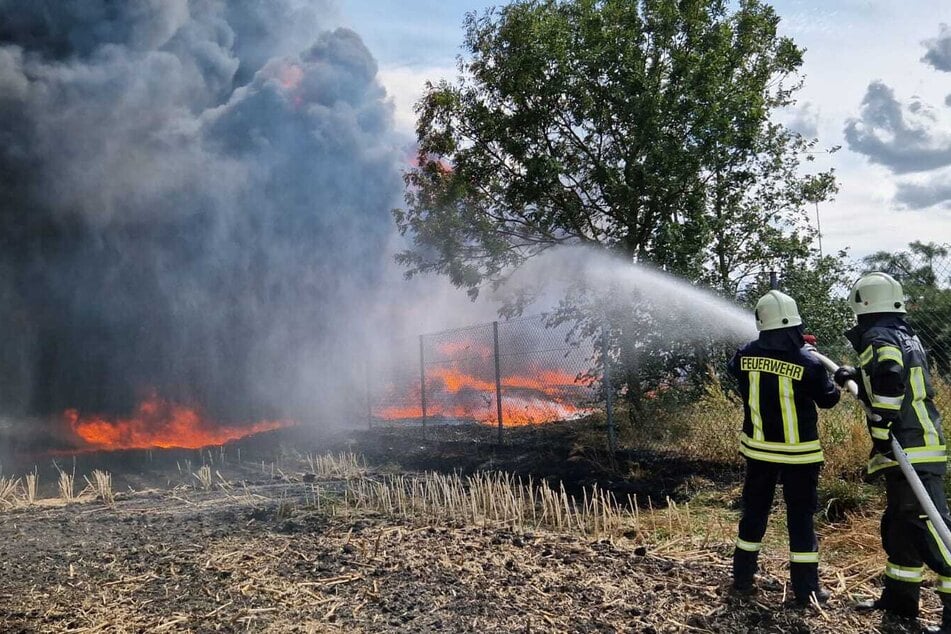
(207, 561)
(259, 556)
(565, 452)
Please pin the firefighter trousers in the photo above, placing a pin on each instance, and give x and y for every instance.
(799, 492)
(910, 540)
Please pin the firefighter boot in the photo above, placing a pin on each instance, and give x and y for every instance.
(945, 627)
(744, 568)
(805, 583)
(899, 598)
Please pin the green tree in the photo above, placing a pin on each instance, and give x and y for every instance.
(925, 273)
(914, 268)
(816, 283)
(641, 126)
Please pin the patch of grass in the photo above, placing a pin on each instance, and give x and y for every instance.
(499, 499)
(101, 485)
(839, 497)
(8, 489)
(203, 475)
(344, 465)
(709, 429)
(286, 507)
(845, 440)
(67, 487)
(29, 490)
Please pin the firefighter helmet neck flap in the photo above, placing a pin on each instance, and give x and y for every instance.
(877, 293)
(776, 310)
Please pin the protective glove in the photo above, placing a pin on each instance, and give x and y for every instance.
(845, 374)
(882, 428)
(883, 447)
(810, 340)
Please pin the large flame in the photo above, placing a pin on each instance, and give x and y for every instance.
(157, 423)
(545, 396)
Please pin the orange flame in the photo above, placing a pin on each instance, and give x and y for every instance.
(450, 348)
(290, 76)
(159, 424)
(550, 395)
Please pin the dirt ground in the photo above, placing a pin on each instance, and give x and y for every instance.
(210, 561)
(265, 554)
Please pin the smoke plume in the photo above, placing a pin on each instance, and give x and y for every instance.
(194, 199)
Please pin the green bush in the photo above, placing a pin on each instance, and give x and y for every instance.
(838, 497)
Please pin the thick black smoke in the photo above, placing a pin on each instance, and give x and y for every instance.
(194, 200)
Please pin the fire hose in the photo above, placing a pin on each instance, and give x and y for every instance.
(909, 471)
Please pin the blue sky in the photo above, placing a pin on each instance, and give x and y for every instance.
(414, 32)
(877, 82)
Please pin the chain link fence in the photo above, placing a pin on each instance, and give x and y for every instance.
(925, 274)
(513, 373)
(528, 371)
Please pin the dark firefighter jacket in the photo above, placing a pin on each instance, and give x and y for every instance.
(781, 384)
(896, 385)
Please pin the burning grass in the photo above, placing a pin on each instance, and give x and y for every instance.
(364, 551)
(455, 393)
(159, 423)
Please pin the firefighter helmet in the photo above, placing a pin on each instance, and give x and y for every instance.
(776, 310)
(877, 293)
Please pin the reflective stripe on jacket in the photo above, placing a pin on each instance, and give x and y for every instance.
(896, 384)
(780, 390)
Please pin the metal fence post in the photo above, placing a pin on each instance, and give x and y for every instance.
(422, 380)
(498, 376)
(608, 387)
(366, 381)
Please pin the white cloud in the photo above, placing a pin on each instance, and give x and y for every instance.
(938, 54)
(866, 219)
(931, 191)
(905, 137)
(405, 85)
(849, 45)
(803, 119)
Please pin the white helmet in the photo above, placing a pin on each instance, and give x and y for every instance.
(776, 310)
(877, 293)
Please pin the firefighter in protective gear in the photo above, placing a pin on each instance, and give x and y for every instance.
(781, 384)
(895, 384)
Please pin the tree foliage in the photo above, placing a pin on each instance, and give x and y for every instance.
(925, 274)
(817, 283)
(641, 126)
